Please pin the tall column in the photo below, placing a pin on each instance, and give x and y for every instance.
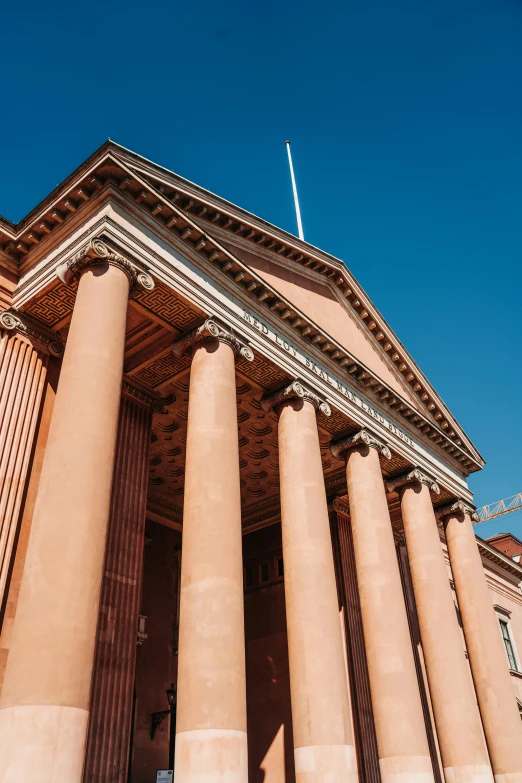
(45, 698)
(487, 657)
(399, 721)
(461, 741)
(323, 740)
(24, 352)
(211, 739)
(114, 664)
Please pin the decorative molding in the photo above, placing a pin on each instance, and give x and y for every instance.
(411, 477)
(341, 506)
(457, 507)
(97, 250)
(296, 390)
(14, 321)
(361, 438)
(212, 329)
(142, 394)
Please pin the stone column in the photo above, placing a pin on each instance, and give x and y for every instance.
(404, 754)
(461, 741)
(111, 704)
(45, 698)
(25, 346)
(211, 739)
(487, 656)
(323, 740)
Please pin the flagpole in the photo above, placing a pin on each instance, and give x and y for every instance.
(294, 188)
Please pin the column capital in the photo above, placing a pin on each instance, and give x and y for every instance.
(297, 390)
(96, 251)
(458, 506)
(136, 391)
(212, 329)
(14, 321)
(363, 437)
(415, 476)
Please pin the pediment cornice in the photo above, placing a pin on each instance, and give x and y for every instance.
(202, 223)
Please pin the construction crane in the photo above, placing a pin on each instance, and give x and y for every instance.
(498, 509)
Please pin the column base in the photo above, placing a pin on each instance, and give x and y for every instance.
(473, 773)
(211, 756)
(406, 769)
(42, 743)
(325, 764)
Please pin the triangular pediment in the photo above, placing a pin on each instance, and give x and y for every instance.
(323, 299)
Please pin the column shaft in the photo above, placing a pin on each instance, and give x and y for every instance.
(113, 677)
(22, 379)
(211, 740)
(487, 656)
(323, 741)
(399, 720)
(45, 697)
(459, 731)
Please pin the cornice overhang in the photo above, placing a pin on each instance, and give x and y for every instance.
(502, 562)
(188, 214)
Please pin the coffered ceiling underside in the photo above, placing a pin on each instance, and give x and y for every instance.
(201, 222)
(155, 319)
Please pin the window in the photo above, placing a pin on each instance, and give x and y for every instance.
(504, 627)
(265, 574)
(280, 567)
(249, 577)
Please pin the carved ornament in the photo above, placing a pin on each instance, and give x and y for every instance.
(142, 394)
(457, 507)
(14, 321)
(341, 506)
(361, 438)
(95, 251)
(297, 390)
(212, 329)
(411, 477)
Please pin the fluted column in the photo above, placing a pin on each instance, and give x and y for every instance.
(211, 739)
(45, 698)
(323, 740)
(113, 677)
(487, 656)
(24, 351)
(399, 721)
(461, 741)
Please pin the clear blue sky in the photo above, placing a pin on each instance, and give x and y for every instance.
(406, 124)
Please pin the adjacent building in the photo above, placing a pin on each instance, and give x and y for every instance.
(225, 481)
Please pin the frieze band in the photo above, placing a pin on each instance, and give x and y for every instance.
(13, 321)
(410, 477)
(361, 438)
(296, 390)
(95, 251)
(212, 329)
(456, 507)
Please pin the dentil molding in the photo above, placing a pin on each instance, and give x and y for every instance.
(361, 438)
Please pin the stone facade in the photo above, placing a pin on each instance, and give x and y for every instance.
(224, 481)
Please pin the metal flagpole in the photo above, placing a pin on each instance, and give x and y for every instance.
(294, 188)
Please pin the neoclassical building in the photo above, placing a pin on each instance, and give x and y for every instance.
(223, 476)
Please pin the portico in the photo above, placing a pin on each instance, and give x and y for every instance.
(209, 402)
